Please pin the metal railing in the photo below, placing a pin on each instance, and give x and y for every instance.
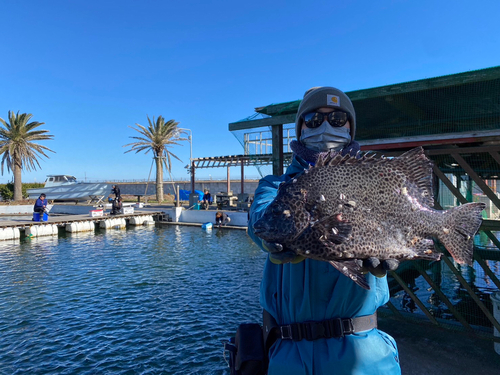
(447, 293)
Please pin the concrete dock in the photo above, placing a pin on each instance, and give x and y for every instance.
(425, 349)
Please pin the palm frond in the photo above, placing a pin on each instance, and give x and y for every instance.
(157, 137)
(17, 137)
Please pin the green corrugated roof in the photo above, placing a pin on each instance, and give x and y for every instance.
(461, 102)
(399, 88)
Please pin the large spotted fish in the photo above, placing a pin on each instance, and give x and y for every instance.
(346, 208)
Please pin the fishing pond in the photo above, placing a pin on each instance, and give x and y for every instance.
(136, 301)
(145, 300)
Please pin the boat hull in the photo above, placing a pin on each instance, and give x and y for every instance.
(79, 192)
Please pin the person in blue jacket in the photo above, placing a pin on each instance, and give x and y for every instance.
(206, 200)
(41, 204)
(326, 323)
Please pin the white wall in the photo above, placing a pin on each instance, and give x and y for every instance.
(205, 216)
(21, 209)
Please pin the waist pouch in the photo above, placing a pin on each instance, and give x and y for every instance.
(246, 351)
(249, 349)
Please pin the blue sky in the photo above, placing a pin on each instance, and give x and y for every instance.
(90, 69)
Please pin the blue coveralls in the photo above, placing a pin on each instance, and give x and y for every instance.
(313, 291)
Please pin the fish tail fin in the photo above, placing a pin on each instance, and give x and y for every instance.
(460, 226)
(352, 270)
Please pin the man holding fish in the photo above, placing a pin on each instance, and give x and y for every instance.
(340, 336)
(333, 225)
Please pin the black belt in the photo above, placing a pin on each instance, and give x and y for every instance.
(331, 328)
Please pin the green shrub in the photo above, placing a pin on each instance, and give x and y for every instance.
(7, 190)
(6, 193)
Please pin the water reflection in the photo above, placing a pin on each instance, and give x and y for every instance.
(450, 285)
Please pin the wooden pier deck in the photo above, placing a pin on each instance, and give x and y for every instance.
(20, 221)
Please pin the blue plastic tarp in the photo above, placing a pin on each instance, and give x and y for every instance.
(184, 194)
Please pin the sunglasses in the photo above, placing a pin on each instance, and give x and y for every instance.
(315, 119)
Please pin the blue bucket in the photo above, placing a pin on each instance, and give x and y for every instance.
(206, 225)
(36, 216)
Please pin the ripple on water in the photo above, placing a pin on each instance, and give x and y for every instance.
(141, 301)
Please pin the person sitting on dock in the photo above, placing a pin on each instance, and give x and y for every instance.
(205, 203)
(221, 218)
(41, 205)
(116, 206)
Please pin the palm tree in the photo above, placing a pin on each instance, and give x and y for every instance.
(158, 137)
(16, 145)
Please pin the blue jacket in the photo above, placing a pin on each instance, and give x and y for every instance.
(313, 291)
(40, 203)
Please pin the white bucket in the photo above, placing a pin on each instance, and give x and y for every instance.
(495, 299)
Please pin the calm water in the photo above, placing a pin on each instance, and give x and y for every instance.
(148, 300)
(141, 301)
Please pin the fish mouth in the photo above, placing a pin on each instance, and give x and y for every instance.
(258, 228)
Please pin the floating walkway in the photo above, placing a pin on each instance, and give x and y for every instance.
(20, 227)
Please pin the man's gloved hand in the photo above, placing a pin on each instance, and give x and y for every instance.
(279, 255)
(376, 267)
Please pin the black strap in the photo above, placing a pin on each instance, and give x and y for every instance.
(332, 328)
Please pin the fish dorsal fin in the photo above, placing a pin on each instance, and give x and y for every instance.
(330, 159)
(333, 158)
(413, 164)
(418, 170)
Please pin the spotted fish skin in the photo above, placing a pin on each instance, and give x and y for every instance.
(347, 208)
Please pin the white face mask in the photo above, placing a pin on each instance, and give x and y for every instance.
(325, 137)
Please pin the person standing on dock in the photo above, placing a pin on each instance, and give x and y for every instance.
(116, 191)
(41, 205)
(319, 321)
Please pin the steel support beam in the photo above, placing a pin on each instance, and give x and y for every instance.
(277, 136)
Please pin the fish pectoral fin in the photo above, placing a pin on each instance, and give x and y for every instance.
(334, 230)
(352, 270)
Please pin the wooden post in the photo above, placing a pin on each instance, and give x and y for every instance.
(228, 181)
